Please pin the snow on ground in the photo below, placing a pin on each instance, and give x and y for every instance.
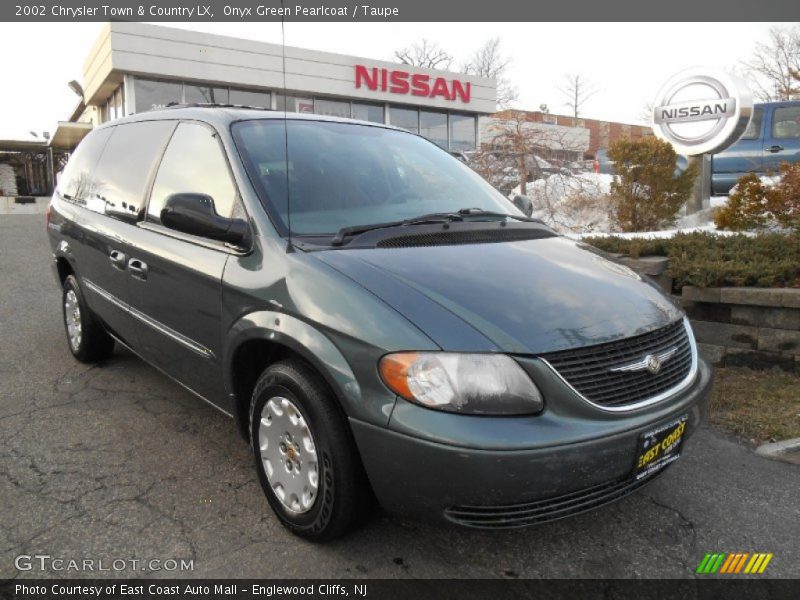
(571, 203)
(577, 205)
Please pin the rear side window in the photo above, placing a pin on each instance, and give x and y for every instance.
(754, 127)
(193, 163)
(125, 168)
(786, 122)
(78, 181)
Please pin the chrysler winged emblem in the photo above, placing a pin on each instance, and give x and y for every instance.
(651, 363)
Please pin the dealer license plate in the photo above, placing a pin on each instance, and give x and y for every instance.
(659, 447)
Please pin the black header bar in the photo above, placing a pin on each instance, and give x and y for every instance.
(402, 11)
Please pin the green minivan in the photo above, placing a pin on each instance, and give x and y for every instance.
(379, 321)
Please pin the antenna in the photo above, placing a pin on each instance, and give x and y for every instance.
(289, 246)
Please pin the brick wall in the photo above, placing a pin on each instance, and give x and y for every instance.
(754, 327)
(601, 133)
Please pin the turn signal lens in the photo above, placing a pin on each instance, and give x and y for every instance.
(489, 384)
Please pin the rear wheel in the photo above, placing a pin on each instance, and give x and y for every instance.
(306, 460)
(86, 338)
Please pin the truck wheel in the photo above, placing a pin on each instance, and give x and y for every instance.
(306, 460)
(86, 338)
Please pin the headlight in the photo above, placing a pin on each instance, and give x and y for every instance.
(487, 384)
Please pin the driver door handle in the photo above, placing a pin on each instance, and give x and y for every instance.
(775, 149)
(137, 268)
(118, 259)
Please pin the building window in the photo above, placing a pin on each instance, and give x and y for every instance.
(462, 132)
(204, 94)
(406, 118)
(368, 112)
(333, 108)
(152, 95)
(433, 125)
(294, 104)
(251, 98)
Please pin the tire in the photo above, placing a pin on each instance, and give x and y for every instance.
(86, 338)
(299, 402)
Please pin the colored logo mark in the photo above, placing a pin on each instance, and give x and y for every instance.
(734, 563)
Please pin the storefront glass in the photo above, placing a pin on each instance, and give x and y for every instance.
(406, 118)
(204, 94)
(462, 132)
(152, 95)
(251, 98)
(368, 112)
(433, 125)
(294, 103)
(333, 108)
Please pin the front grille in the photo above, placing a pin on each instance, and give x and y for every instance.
(473, 236)
(549, 509)
(588, 369)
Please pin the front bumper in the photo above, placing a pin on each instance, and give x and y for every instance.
(488, 471)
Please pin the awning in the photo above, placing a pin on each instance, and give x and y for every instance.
(68, 135)
(22, 146)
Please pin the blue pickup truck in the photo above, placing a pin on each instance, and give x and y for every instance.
(773, 137)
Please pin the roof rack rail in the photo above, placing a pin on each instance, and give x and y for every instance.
(212, 105)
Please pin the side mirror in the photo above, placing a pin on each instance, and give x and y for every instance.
(195, 214)
(524, 204)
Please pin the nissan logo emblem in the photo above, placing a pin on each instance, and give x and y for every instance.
(702, 111)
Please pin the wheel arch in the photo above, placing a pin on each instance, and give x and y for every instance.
(263, 338)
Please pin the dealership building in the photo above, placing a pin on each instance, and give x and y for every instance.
(136, 67)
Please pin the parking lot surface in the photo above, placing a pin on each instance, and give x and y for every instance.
(116, 461)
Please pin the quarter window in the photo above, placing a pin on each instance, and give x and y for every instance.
(786, 122)
(754, 126)
(193, 163)
(78, 181)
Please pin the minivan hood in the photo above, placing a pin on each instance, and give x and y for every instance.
(532, 296)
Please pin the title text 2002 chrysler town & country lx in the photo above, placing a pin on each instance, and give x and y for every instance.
(377, 319)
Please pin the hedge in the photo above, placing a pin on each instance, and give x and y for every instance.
(710, 260)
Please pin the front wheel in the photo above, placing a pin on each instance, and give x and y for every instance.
(306, 460)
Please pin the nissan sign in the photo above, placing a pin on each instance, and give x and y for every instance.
(398, 81)
(702, 111)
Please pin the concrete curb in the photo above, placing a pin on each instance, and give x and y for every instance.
(787, 450)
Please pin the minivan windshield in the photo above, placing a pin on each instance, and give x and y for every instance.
(340, 175)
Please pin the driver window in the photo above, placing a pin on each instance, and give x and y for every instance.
(194, 162)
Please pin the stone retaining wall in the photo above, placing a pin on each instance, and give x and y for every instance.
(754, 327)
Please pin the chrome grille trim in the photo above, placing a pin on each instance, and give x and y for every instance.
(679, 387)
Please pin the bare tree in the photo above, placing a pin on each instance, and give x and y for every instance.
(515, 143)
(577, 89)
(425, 53)
(775, 65)
(488, 61)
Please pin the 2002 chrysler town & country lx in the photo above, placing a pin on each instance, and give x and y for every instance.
(377, 319)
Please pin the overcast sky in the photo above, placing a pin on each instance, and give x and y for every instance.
(626, 62)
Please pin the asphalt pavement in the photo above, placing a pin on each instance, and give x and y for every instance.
(116, 461)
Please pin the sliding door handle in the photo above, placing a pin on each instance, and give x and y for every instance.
(137, 268)
(118, 259)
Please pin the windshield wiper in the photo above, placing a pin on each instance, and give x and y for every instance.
(445, 217)
(479, 212)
